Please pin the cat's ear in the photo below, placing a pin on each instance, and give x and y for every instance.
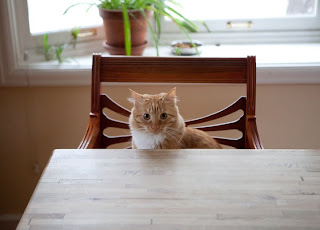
(171, 95)
(135, 97)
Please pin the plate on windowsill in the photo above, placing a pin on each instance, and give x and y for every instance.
(185, 47)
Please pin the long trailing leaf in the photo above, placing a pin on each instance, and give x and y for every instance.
(185, 23)
(157, 20)
(178, 23)
(174, 3)
(158, 24)
(184, 18)
(154, 37)
(182, 29)
(188, 26)
(89, 8)
(81, 3)
(205, 25)
(127, 30)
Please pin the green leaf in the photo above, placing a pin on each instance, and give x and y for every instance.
(127, 30)
(81, 3)
(157, 19)
(205, 25)
(153, 35)
(183, 30)
(185, 19)
(189, 27)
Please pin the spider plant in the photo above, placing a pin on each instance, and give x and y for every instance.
(160, 8)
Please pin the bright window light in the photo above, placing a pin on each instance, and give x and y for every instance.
(246, 9)
(47, 15)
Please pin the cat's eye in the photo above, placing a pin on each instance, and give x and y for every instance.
(146, 116)
(163, 116)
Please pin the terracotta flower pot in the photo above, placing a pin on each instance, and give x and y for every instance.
(114, 31)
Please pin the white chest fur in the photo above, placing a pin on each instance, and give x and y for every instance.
(144, 140)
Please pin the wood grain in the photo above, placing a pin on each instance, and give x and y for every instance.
(174, 70)
(177, 189)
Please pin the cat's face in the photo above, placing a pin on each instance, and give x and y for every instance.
(154, 113)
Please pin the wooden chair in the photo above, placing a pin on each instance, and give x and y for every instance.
(173, 70)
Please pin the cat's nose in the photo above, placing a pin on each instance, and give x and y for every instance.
(155, 127)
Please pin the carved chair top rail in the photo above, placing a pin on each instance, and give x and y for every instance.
(174, 70)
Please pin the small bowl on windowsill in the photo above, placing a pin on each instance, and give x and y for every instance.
(185, 47)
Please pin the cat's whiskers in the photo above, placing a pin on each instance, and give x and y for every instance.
(176, 133)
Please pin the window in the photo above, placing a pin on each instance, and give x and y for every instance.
(23, 23)
(229, 21)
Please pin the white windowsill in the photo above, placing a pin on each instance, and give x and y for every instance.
(276, 64)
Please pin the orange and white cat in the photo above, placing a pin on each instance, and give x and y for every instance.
(155, 123)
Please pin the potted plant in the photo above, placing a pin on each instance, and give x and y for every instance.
(126, 23)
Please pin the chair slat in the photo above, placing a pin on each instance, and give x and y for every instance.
(107, 140)
(109, 122)
(238, 124)
(240, 104)
(107, 102)
(236, 143)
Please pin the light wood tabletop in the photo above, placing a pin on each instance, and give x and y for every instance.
(177, 189)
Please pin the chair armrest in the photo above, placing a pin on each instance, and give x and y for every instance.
(252, 140)
(91, 137)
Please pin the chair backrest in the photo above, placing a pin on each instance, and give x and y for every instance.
(174, 70)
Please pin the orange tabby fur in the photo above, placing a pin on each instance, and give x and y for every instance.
(158, 131)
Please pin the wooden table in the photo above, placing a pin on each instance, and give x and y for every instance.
(177, 189)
